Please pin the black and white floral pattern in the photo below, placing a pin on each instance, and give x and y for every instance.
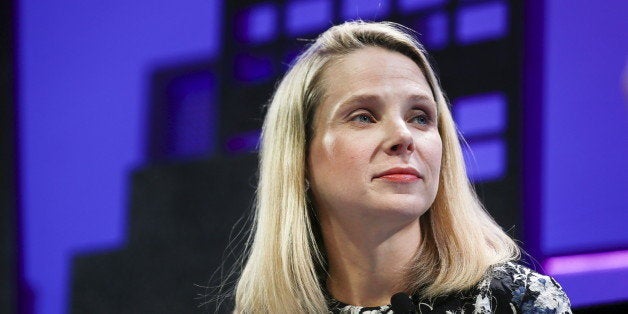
(508, 288)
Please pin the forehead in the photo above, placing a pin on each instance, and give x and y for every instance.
(374, 69)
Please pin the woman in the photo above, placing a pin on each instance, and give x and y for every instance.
(363, 192)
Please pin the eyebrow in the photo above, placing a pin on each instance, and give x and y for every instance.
(372, 98)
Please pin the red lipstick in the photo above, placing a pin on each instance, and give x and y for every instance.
(400, 174)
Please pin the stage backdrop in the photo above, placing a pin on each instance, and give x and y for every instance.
(131, 115)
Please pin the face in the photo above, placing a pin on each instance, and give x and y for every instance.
(376, 150)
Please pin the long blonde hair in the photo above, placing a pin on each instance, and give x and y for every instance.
(283, 270)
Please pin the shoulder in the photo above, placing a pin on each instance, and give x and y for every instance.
(525, 290)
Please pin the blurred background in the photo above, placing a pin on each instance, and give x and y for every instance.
(129, 131)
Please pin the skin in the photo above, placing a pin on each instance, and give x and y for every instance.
(378, 113)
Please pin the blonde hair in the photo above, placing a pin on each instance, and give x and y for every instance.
(283, 271)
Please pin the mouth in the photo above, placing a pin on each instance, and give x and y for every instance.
(399, 174)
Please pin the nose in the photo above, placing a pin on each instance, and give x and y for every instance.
(400, 140)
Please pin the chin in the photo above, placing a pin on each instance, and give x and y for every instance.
(403, 208)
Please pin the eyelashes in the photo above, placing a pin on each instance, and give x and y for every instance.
(422, 119)
(418, 117)
(363, 118)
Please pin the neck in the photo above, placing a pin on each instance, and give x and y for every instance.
(367, 264)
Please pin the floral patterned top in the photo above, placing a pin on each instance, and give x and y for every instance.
(509, 288)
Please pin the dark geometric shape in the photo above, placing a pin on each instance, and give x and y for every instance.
(181, 218)
(251, 67)
(244, 142)
(183, 113)
(14, 290)
(619, 307)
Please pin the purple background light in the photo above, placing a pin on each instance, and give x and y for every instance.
(258, 24)
(413, 5)
(365, 9)
(586, 262)
(482, 21)
(585, 175)
(481, 114)
(435, 35)
(84, 91)
(482, 121)
(486, 159)
(585, 143)
(595, 286)
(304, 16)
(84, 79)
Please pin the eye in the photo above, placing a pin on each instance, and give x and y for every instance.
(421, 119)
(363, 118)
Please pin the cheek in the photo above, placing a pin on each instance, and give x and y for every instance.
(334, 143)
(438, 153)
(323, 156)
(336, 155)
(433, 153)
(351, 151)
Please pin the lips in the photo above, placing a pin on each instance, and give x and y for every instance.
(399, 174)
